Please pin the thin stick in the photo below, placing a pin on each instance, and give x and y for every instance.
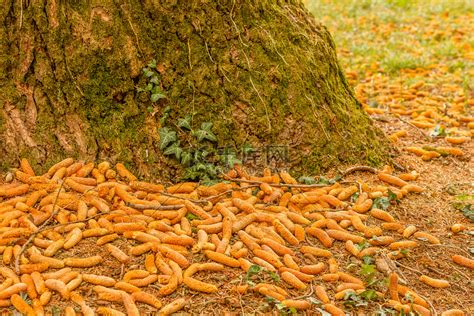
(209, 198)
(409, 268)
(358, 168)
(155, 207)
(423, 297)
(449, 246)
(311, 291)
(393, 266)
(21, 14)
(278, 185)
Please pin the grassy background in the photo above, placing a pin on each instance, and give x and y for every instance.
(390, 35)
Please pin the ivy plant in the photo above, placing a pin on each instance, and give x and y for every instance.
(153, 87)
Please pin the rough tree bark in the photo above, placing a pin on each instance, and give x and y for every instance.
(265, 72)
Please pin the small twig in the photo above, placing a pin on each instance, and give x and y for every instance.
(182, 197)
(133, 29)
(21, 13)
(278, 185)
(423, 297)
(72, 77)
(154, 207)
(393, 266)
(311, 291)
(34, 234)
(409, 268)
(189, 56)
(264, 104)
(450, 246)
(209, 53)
(358, 168)
(399, 166)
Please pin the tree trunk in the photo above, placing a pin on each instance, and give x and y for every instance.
(264, 72)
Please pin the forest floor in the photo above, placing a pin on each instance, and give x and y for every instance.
(410, 62)
(411, 67)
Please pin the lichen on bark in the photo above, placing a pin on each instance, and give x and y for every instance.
(265, 72)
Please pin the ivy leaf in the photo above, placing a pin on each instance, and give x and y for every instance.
(199, 134)
(230, 160)
(393, 197)
(306, 180)
(210, 136)
(323, 180)
(197, 156)
(185, 122)
(468, 212)
(167, 137)
(201, 167)
(247, 149)
(381, 203)
(186, 158)
(167, 109)
(404, 252)
(202, 134)
(269, 299)
(152, 64)
(439, 130)
(253, 270)
(191, 216)
(163, 119)
(367, 269)
(369, 295)
(155, 80)
(362, 245)
(292, 310)
(274, 276)
(206, 126)
(157, 96)
(367, 259)
(156, 89)
(174, 150)
(148, 73)
(209, 182)
(280, 306)
(353, 300)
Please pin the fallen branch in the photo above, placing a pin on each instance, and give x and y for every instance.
(358, 168)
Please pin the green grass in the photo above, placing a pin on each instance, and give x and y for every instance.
(361, 27)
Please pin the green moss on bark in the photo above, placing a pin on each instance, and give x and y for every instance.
(264, 72)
